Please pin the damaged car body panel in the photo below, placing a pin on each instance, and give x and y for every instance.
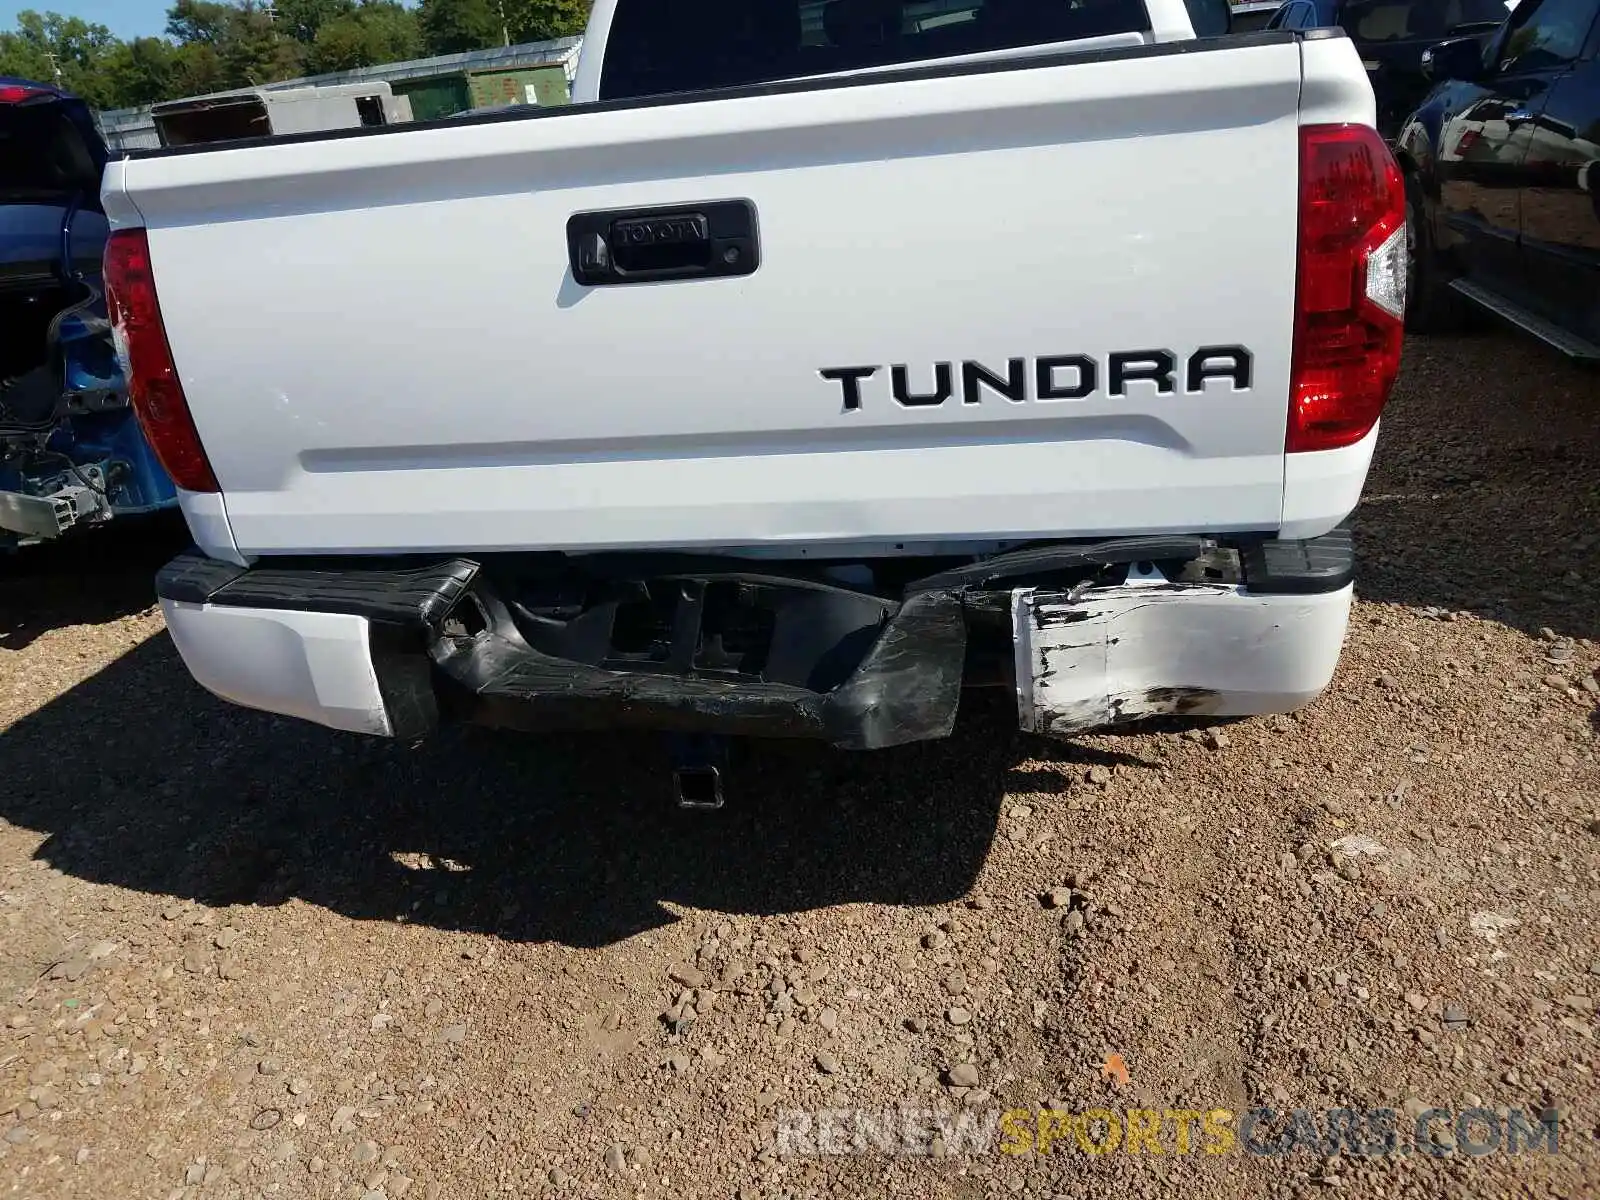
(72, 454)
(900, 682)
(1090, 633)
(1151, 647)
(691, 647)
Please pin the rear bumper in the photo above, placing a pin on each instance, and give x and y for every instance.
(1145, 650)
(315, 665)
(392, 650)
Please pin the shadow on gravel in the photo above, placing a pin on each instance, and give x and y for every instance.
(1055, 762)
(100, 576)
(1485, 492)
(140, 779)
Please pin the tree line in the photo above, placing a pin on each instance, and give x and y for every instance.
(212, 46)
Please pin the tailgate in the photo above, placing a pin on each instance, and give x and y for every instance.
(385, 349)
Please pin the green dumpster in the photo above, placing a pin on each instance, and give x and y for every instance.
(519, 85)
(436, 96)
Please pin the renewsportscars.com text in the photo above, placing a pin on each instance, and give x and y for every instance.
(1265, 1132)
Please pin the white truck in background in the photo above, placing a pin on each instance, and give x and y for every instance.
(818, 360)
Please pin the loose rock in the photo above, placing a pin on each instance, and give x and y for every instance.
(688, 976)
(963, 1075)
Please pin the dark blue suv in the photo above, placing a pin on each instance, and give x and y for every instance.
(1502, 166)
(1391, 37)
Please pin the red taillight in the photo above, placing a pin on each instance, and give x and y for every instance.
(1350, 289)
(16, 93)
(153, 387)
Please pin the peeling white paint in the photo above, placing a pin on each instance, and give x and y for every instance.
(1108, 655)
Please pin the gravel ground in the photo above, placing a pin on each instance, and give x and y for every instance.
(242, 957)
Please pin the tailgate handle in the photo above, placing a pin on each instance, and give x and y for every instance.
(653, 245)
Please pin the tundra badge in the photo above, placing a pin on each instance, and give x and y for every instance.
(1059, 377)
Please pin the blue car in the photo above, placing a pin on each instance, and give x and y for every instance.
(1391, 36)
(1502, 166)
(72, 455)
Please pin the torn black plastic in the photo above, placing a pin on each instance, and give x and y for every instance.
(544, 641)
(1065, 556)
(857, 670)
(904, 688)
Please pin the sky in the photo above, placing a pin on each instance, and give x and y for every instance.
(125, 18)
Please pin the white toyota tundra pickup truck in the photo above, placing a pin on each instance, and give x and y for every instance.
(818, 360)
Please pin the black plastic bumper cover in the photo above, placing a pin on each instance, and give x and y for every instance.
(905, 689)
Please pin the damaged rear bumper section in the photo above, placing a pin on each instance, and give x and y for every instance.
(1093, 635)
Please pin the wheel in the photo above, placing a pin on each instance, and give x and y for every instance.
(1431, 306)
